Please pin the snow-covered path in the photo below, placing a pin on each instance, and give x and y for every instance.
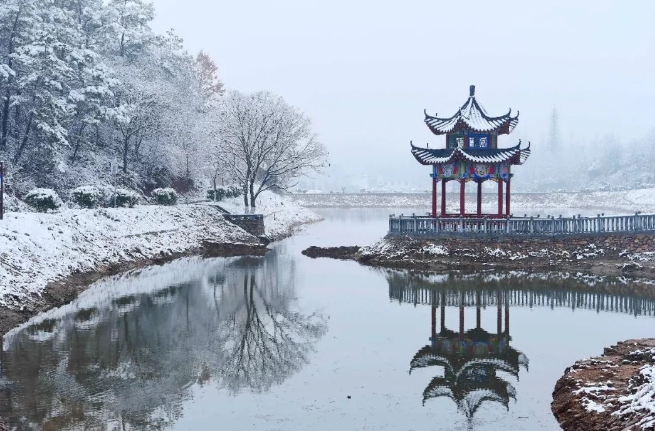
(281, 214)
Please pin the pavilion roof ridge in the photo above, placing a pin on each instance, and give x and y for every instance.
(471, 115)
(430, 156)
(470, 398)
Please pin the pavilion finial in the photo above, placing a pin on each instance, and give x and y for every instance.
(472, 91)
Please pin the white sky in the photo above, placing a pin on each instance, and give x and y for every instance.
(365, 70)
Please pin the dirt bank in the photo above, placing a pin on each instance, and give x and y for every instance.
(341, 253)
(67, 289)
(608, 255)
(610, 392)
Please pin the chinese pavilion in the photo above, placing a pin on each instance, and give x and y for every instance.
(471, 154)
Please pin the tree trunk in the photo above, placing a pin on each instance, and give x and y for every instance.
(5, 108)
(5, 120)
(78, 142)
(245, 194)
(126, 147)
(246, 181)
(214, 177)
(23, 143)
(252, 193)
(188, 174)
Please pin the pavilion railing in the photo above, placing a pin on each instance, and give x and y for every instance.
(550, 226)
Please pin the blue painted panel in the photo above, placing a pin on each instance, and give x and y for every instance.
(479, 140)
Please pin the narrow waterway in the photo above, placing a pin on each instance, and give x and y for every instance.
(285, 342)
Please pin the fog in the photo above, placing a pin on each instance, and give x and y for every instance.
(364, 71)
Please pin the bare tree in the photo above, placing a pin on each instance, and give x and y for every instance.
(267, 143)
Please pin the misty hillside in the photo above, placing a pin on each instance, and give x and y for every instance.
(605, 163)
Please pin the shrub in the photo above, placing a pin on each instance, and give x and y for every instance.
(126, 198)
(233, 191)
(87, 196)
(223, 192)
(220, 193)
(43, 199)
(165, 196)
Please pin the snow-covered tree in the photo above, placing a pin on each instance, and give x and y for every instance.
(267, 143)
(86, 84)
(130, 23)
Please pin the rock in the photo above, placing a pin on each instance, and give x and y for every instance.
(213, 249)
(619, 363)
(343, 253)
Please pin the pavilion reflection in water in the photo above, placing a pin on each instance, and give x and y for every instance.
(479, 363)
(471, 359)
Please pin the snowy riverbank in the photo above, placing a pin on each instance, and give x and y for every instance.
(37, 249)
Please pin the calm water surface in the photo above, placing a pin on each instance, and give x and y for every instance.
(289, 343)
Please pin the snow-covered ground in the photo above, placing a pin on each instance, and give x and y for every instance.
(36, 248)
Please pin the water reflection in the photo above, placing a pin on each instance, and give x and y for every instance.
(470, 359)
(130, 361)
(475, 364)
(135, 349)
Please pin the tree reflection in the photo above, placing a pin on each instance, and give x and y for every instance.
(129, 362)
(265, 341)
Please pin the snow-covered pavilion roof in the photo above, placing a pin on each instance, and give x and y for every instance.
(457, 364)
(437, 156)
(472, 116)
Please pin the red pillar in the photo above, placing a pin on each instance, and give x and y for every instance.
(499, 317)
(443, 312)
(434, 321)
(434, 197)
(479, 198)
(462, 202)
(506, 316)
(477, 309)
(443, 198)
(500, 197)
(507, 199)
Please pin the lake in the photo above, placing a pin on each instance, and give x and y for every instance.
(285, 342)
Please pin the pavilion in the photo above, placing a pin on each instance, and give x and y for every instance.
(472, 154)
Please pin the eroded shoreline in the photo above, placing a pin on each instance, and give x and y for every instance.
(67, 289)
(614, 255)
(611, 392)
